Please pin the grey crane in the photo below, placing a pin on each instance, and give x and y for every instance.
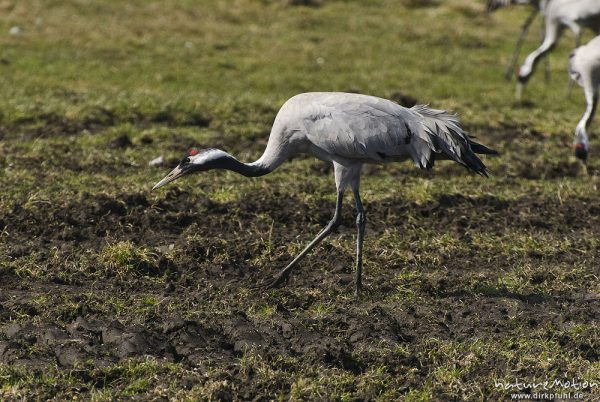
(347, 130)
(536, 7)
(584, 68)
(560, 14)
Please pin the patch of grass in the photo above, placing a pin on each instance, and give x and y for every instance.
(131, 378)
(124, 258)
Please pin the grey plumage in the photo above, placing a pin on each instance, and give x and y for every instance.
(361, 128)
(348, 130)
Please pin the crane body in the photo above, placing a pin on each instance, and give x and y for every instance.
(347, 130)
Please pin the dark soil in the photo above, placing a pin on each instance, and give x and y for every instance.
(97, 119)
(61, 318)
(84, 333)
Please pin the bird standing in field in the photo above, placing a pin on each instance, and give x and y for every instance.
(558, 14)
(584, 68)
(347, 130)
(536, 7)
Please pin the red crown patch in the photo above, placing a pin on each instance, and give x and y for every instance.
(193, 151)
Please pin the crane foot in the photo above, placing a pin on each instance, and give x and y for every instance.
(275, 282)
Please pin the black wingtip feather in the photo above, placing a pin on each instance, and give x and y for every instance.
(482, 149)
(430, 162)
(472, 162)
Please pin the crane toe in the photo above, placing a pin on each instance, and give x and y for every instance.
(271, 283)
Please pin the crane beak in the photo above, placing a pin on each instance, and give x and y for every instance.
(174, 175)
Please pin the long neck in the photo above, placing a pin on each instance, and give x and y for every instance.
(581, 132)
(278, 150)
(246, 169)
(590, 109)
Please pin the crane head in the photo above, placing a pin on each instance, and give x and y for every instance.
(581, 144)
(194, 160)
(581, 152)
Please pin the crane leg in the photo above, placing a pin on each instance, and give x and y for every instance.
(284, 274)
(547, 70)
(360, 225)
(510, 69)
(547, 59)
(553, 31)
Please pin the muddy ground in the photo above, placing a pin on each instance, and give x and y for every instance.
(188, 298)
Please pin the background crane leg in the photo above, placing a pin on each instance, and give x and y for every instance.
(510, 69)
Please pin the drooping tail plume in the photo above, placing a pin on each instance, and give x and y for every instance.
(450, 140)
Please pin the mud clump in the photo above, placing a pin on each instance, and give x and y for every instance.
(104, 205)
(403, 99)
(122, 141)
(305, 3)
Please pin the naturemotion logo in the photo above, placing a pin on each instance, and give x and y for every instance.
(546, 385)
